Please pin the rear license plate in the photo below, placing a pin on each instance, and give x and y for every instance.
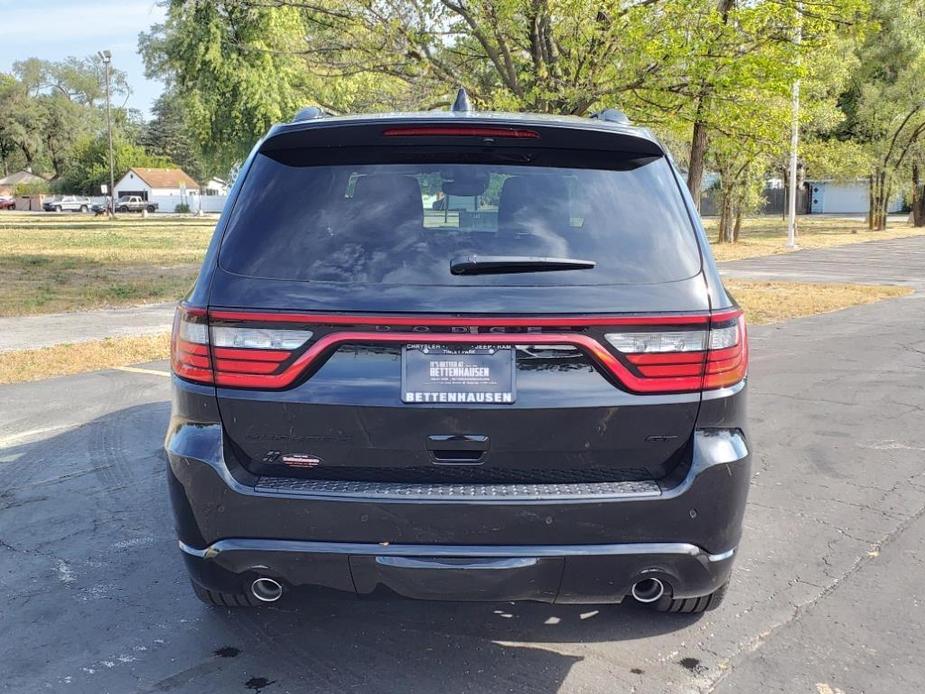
(477, 374)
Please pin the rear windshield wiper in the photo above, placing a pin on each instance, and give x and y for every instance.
(502, 264)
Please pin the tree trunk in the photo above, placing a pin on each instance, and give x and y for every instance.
(884, 201)
(725, 217)
(918, 198)
(699, 143)
(738, 225)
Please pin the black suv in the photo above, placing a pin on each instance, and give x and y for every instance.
(460, 355)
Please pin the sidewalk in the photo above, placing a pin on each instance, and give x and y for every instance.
(31, 332)
(880, 261)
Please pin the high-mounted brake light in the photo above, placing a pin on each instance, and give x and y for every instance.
(455, 131)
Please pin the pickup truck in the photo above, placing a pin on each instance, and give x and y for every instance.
(134, 203)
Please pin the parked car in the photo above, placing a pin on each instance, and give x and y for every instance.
(543, 399)
(67, 203)
(7, 202)
(135, 203)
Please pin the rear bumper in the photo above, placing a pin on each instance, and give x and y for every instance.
(585, 546)
(571, 573)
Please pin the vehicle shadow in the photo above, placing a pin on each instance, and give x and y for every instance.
(92, 503)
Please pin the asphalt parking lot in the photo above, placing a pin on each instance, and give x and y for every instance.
(828, 593)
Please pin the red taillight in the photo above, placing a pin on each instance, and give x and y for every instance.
(727, 364)
(189, 345)
(455, 131)
(229, 354)
(715, 356)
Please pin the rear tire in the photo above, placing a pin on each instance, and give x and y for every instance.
(84, 209)
(151, 208)
(691, 605)
(215, 598)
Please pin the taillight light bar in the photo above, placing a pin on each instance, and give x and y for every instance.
(650, 354)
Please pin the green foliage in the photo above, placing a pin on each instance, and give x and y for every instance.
(182, 208)
(169, 135)
(76, 79)
(235, 66)
(90, 167)
(29, 189)
(46, 107)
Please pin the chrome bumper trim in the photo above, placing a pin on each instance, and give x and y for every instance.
(385, 549)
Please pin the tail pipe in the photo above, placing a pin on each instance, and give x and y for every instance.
(266, 589)
(648, 590)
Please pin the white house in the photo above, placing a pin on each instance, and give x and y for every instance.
(167, 187)
(215, 186)
(851, 197)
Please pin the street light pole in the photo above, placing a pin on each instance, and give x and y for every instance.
(794, 146)
(106, 56)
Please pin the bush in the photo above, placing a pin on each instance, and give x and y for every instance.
(29, 189)
(182, 208)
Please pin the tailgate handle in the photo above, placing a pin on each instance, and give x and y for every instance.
(457, 442)
(457, 449)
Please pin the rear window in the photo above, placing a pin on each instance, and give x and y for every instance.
(404, 223)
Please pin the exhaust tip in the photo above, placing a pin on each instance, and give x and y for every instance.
(648, 590)
(266, 589)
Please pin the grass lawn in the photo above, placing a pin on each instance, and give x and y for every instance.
(767, 235)
(68, 262)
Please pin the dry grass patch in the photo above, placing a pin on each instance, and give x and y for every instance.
(60, 262)
(771, 302)
(61, 360)
(767, 235)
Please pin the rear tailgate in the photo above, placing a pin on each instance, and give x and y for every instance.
(349, 251)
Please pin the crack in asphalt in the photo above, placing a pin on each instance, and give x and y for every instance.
(746, 650)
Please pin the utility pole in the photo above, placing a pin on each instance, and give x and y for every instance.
(106, 57)
(794, 143)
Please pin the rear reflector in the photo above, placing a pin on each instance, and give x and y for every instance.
(441, 131)
(677, 353)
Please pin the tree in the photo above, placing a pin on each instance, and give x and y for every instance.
(90, 166)
(235, 66)
(884, 104)
(169, 134)
(75, 79)
(20, 121)
(46, 107)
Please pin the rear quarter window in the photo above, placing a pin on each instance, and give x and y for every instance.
(404, 223)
